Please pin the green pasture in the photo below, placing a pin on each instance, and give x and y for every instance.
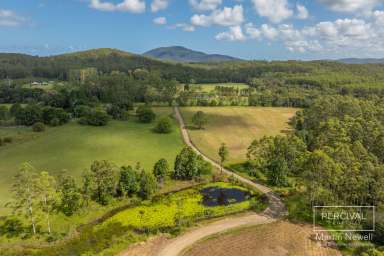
(74, 147)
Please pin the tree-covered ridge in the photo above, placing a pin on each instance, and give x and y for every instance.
(107, 61)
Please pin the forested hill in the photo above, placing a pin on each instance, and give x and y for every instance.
(58, 67)
(182, 54)
(318, 74)
(362, 61)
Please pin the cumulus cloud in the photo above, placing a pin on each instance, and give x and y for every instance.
(269, 32)
(341, 36)
(275, 10)
(350, 5)
(205, 5)
(160, 21)
(134, 6)
(184, 26)
(158, 5)
(234, 33)
(10, 19)
(252, 31)
(302, 12)
(224, 17)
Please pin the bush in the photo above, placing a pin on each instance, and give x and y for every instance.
(15, 109)
(81, 111)
(55, 116)
(4, 113)
(145, 114)
(54, 122)
(95, 118)
(8, 139)
(163, 125)
(29, 115)
(38, 127)
(117, 112)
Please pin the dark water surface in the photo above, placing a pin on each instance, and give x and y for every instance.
(215, 196)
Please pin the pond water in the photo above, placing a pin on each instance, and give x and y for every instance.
(215, 196)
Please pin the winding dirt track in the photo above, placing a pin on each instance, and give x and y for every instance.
(275, 210)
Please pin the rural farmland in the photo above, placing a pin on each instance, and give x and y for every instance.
(237, 127)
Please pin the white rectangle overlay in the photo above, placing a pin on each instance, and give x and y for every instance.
(314, 208)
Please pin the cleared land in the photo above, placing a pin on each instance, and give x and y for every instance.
(74, 147)
(276, 239)
(211, 87)
(237, 127)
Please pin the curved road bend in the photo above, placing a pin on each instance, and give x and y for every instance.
(275, 210)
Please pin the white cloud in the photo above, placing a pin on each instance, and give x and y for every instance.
(134, 6)
(160, 21)
(233, 34)
(184, 26)
(225, 17)
(379, 17)
(350, 5)
(275, 10)
(302, 12)
(158, 5)
(269, 32)
(205, 5)
(252, 31)
(340, 37)
(10, 19)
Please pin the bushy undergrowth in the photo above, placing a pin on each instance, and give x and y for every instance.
(169, 213)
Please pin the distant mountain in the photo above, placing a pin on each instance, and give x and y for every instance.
(361, 61)
(182, 54)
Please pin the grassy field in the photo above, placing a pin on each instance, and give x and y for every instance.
(74, 147)
(237, 127)
(211, 87)
(282, 238)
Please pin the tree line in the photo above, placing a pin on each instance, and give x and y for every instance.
(38, 195)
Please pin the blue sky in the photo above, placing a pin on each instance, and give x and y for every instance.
(250, 29)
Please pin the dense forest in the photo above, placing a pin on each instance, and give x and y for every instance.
(106, 61)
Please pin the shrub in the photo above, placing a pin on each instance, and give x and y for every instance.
(81, 111)
(50, 113)
(8, 139)
(145, 114)
(95, 118)
(15, 109)
(163, 125)
(4, 113)
(117, 112)
(29, 115)
(54, 122)
(38, 127)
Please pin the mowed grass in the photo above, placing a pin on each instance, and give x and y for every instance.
(74, 147)
(237, 127)
(211, 87)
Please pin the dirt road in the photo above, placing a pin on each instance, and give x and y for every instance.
(275, 209)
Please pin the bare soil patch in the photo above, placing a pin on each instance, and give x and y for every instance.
(276, 239)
